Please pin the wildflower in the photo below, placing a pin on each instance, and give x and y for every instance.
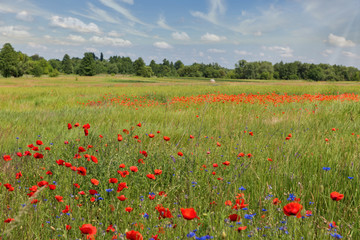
(134, 235)
(89, 230)
(336, 196)
(188, 213)
(293, 208)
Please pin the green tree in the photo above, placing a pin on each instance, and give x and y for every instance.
(66, 65)
(8, 61)
(139, 64)
(88, 65)
(178, 64)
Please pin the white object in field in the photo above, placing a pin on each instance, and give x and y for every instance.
(212, 80)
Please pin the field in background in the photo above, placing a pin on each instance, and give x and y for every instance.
(320, 157)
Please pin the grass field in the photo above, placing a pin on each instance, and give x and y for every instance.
(297, 148)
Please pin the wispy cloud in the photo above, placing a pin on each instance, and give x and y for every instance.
(216, 7)
(162, 23)
(123, 11)
(74, 24)
(339, 41)
(350, 54)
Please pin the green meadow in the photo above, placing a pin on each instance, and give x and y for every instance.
(320, 157)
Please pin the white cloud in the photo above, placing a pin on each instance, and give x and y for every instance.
(350, 54)
(163, 45)
(339, 41)
(14, 31)
(74, 24)
(76, 38)
(123, 11)
(90, 49)
(25, 16)
(180, 36)
(37, 46)
(162, 23)
(114, 34)
(214, 50)
(257, 34)
(283, 51)
(327, 52)
(242, 52)
(261, 54)
(131, 2)
(116, 42)
(216, 7)
(212, 37)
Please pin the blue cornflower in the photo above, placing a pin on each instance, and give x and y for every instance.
(336, 235)
(326, 168)
(109, 190)
(242, 188)
(350, 178)
(291, 197)
(191, 234)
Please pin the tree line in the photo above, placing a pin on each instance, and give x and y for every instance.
(16, 64)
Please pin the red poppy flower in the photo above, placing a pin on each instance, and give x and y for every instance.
(94, 159)
(293, 209)
(76, 185)
(151, 135)
(139, 125)
(234, 217)
(166, 138)
(88, 229)
(67, 209)
(151, 176)
(276, 201)
(336, 196)
(121, 186)
(133, 169)
(59, 198)
(251, 133)
(239, 205)
(121, 198)
(81, 149)
(128, 209)
(180, 154)
(144, 153)
(68, 227)
(110, 228)
(39, 142)
(189, 213)
(269, 159)
(18, 175)
(113, 180)
(27, 153)
(47, 148)
(81, 171)
(120, 138)
(52, 187)
(241, 154)
(42, 183)
(218, 144)
(164, 212)
(249, 155)
(9, 220)
(76, 124)
(241, 228)
(33, 188)
(68, 164)
(191, 136)
(86, 132)
(69, 126)
(134, 235)
(49, 173)
(92, 192)
(38, 155)
(157, 172)
(86, 126)
(126, 131)
(226, 163)
(19, 154)
(122, 165)
(35, 149)
(94, 181)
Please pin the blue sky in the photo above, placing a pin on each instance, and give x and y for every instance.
(222, 31)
